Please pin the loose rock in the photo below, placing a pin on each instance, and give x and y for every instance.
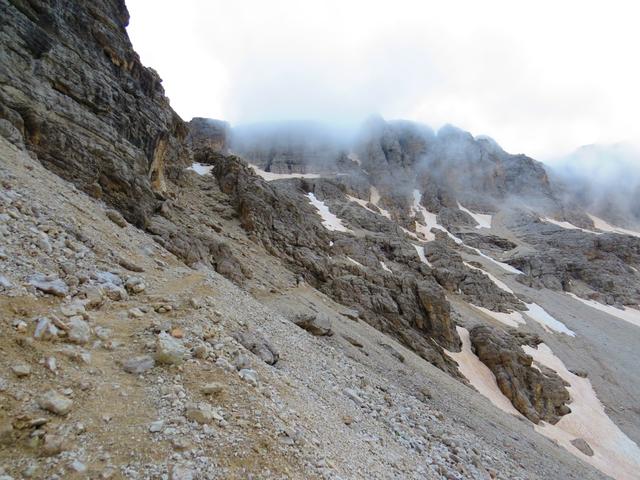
(140, 364)
(116, 218)
(317, 324)
(55, 403)
(169, 350)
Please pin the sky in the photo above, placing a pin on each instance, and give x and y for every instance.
(540, 77)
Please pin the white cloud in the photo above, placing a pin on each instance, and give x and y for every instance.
(543, 77)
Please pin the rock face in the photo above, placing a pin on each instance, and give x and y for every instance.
(278, 216)
(75, 95)
(537, 394)
(296, 147)
(206, 135)
(399, 150)
(453, 275)
(74, 91)
(598, 266)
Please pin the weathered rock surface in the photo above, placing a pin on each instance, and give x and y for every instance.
(55, 402)
(258, 346)
(583, 446)
(539, 394)
(75, 90)
(207, 135)
(169, 350)
(570, 260)
(318, 324)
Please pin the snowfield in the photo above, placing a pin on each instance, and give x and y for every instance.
(513, 319)
(479, 374)
(200, 169)
(630, 315)
(483, 220)
(421, 255)
(548, 322)
(329, 220)
(606, 227)
(505, 266)
(615, 454)
(431, 219)
(269, 176)
(566, 225)
(375, 199)
(355, 262)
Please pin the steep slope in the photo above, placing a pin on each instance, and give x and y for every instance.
(281, 319)
(148, 378)
(514, 221)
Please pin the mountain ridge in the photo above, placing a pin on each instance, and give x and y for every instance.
(190, 258)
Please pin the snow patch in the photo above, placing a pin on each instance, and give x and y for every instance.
(615, 454)
(600, 224)
(534, 311)
(513, 319)
(501, 285)
(375, 199)
(423, 257)
(329, 220)
(505, 266)
(479, 374)
(548, 322)
(270, 176)
(363, 204)
(567, 225)
(355, 262)
(431, 219)
(630, 315)
(200, 169)
(385, 268)
(431, 222)
(483, 220)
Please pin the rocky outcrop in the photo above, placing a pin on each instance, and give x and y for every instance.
(74, 91)
(486, 242)
(292, 147)
(277, 215)
(396, 151)
(206, 134)
(598, 266)
(454, 276)
(538, 393)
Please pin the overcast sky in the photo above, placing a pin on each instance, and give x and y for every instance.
(540, 77)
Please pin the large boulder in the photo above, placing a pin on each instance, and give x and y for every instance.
(538, 393)
(318, 324)
(257, 345)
